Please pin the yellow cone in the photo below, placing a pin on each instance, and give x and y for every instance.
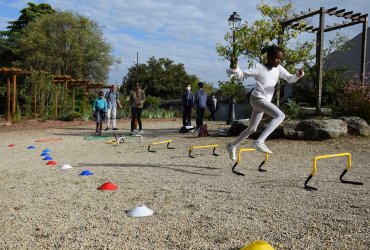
(258, 245)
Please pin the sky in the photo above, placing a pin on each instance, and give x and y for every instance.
(184, 31)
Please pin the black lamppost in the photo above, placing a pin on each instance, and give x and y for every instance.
(234, 24)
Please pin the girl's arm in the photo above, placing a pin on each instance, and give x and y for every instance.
(143, 97)
(105, 106)
(94, 109)
(290, 78)
(243, 74)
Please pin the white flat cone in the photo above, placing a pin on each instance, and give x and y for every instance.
(66, 166)
(140, 211)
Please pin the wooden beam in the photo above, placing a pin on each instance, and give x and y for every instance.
(73, 97)
(338, 26)
(344, 14)
(336, 12)
(56, 104)
(35, 100)
(363, 51)
(14, 94)
(289, 21)
(8, 98)
(320, 60)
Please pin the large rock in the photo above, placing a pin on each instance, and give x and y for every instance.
(238, 126)
(356, 125)
(322, 129)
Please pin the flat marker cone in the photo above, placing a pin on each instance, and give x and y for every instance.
(44, 154)
(258, 245)
(11, 145)
(48, 158)
(46, 151)
(51, 163)
(86, 173)
(31, 147)
(65, 167)
(109, 186)
(140, 211)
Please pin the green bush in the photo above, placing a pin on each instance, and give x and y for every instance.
(292, 109)
(356, 101)
(69, 116)
(152, 102)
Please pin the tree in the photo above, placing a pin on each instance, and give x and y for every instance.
(65, 43)
(251, 38)
(161, 78)
(9, 37)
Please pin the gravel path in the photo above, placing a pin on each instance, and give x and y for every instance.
(198, 203)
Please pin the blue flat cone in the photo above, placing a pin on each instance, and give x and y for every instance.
(48, 158)
(44, 154)
(31, 147)
(86, 173)
(46, 150)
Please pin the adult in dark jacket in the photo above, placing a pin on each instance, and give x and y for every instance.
(187, 105)
(200, 101)
(212, 105)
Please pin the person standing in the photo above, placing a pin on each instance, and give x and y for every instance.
(200, 101)
(212, 105)
(112, 98)
(100, 108)
(187, 105)
(136, 102)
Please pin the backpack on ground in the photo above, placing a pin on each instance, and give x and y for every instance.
(203, 131)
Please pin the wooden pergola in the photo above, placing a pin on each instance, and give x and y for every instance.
(354, 18)
(66, 80)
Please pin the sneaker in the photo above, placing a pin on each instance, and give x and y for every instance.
(131, 132)
(260, 146)
(141, 131)
(232, 151)
(106, 129)
(114, 128)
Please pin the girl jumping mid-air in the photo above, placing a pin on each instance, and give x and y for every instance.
(266, 76)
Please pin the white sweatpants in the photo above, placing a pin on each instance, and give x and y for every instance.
(112, 112)
(261, 106)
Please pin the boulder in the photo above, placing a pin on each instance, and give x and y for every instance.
(322, 129)
(356, 125)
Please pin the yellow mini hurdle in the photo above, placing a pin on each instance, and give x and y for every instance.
(214, 146)
(159, 142)
(349, 165)
(238, 160)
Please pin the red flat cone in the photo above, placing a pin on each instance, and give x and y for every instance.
(52, 163)
(11, 145)
(108, 186)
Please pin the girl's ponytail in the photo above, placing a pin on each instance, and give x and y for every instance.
(264, 50)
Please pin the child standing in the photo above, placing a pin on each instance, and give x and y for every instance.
(100, 108)
(266, 76)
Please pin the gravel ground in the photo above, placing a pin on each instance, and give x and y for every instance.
(198, 202)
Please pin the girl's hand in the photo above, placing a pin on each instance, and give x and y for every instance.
(300, 72)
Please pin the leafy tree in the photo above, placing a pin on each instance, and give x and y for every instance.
(65, 43)
(161, 78)
(9, 37)
(251, 38)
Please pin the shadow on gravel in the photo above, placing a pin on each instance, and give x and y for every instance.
(163, 166)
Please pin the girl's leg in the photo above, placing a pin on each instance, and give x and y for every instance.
(254, 121)
(138, 116)
(277, 118)
(133, 117)
(108, 118)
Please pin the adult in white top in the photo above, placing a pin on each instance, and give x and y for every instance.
(267, 76)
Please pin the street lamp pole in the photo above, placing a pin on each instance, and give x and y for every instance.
(234, 24)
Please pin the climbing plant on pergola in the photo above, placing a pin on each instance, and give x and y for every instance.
(297, 24)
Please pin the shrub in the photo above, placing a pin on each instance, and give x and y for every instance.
(152, 102)
(356, 100)
(292, 108)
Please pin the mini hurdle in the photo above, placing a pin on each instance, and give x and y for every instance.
(121, 138)
(238, 160)
(214, 146)
(349, 165)
(159, 142)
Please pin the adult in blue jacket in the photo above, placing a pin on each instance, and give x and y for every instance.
(200, 102)
(187, 105)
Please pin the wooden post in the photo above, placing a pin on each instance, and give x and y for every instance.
(42, 90)
(73, 98)
(35, 100)
(8, 98)
(14, 93)
(363, 51)
(320, 59)
(65, 90)
(84, 98)
(56, 104)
